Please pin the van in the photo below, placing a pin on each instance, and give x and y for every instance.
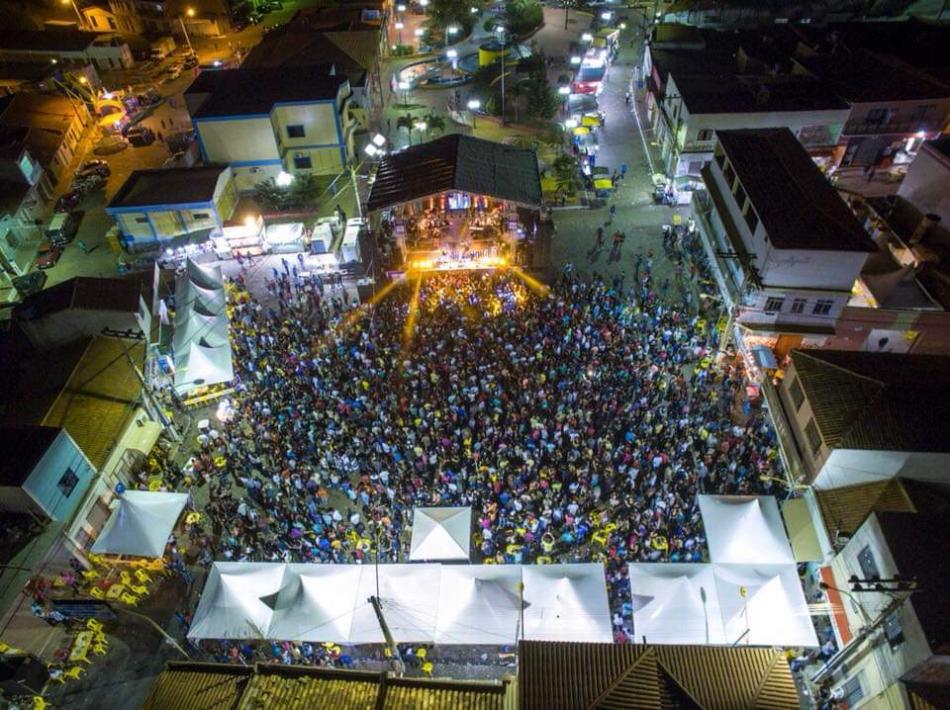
(62, 227)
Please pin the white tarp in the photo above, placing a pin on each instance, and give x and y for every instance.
(479, 602)
(199, 366)
(441, 534)
(422, 603)
(141, 524)
(210, 331)
(566, 603)
(745, 530)
(674, 603)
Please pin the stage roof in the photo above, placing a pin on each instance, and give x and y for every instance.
(460, 163)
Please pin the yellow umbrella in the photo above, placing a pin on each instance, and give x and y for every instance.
(591, 119)
(603, 184)
(581, 131)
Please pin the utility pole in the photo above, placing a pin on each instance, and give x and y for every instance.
(397, 665)
(503, 50)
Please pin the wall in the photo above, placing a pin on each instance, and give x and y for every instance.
(42, 484)
(924, 332)
(925, 185)
(847, 467)
(71, 324)
(318, 121)
(797, 421)
(878, 667)
(247, 140)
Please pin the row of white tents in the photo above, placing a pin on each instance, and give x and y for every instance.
(200, 339)
(422, 603)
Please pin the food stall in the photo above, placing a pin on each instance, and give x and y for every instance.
(284, 238)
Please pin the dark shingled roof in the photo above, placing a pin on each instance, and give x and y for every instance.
(863, 76)
(82, 292)
(47, 41)
(796, 204)
(255, 91)
(21, 448)
(168, 186)
(877, 401)
(730, 93)
(457, 163)
(565, 676)
(917, 542)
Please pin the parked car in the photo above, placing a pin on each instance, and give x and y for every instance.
(63, 226)
(140, 136)
(68, 202)
(94, 167)
(48, 255)
(84, 184)
(30, 283)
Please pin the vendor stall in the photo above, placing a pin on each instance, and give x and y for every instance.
(284, 238)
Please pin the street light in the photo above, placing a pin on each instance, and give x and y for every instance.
(575, 61)
(379, 140)
(473, 10)
(564, 90)
(570, 124)
(399, 27)
(450, 30)
(404, 87)
(605, 16)
(473, 106)
(587, 37)
(181, 20)
(453, 55)
(623, 25)
(400, 8)
(501, 32)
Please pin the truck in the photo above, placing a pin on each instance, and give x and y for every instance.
(162, 47)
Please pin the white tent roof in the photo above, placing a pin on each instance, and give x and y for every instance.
(315, 603)
(566, 603)
(190, 298)
(210, 331)
(477, 603)
(410, 599)
(668, 605)
(199, 366)
(768, 601)
(141, 524)
(441, 534)
(745, 530)
(204, 275)
(238, 600)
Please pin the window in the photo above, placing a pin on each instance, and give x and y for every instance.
(852, 692)
(739, 192)
(67, 482)
(923, 112)
(704, 135)
(730, 175)
(200, 216)
(302, 162)
(295, 131)
(141, 220)
(94, 20)
(111, 23)
(814, 438)
(797, 393)
(751, 218)
(876, 115)
(868, 564)
(822, 307)
(773, 304)
(798, 305)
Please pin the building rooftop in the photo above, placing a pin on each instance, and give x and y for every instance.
(600, 675)
(796, 204)
(168, 186)
(457, 162)
(227, 687)
(732, 93)
(866, 77)
(48, 116)
(877, 401)
(47, 41)
(845, 509)
(21, 448)
(82, 292)
(940, 145)
(255, 91)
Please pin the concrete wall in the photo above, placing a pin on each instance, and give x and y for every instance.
(925, 185)
(317, 119)
(43, 483)
(248, 140)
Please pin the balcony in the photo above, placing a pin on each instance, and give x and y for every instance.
(864, 128)
(788, 446)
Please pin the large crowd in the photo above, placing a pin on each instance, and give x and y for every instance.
(579, 422)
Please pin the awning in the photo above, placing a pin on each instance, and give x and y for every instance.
(801, 531)
(764, 357)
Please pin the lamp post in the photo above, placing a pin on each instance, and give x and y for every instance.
(404, 87)
(501, 32)
(453, 57)
(473, 106)
(418, 33)
(181, 20)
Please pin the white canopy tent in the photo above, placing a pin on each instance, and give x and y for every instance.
(141, 524)
(675, 603)
(209, 331)
(479, 602)
(441, 534)
(566, 603)
(200, 366)
(409, 595)
(745, 530)
(238, 600)
(315, 603)
(190, 298)
(204, 275)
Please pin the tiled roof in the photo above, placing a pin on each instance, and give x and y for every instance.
(457, 162)
(99, 398)
(569, 676)
(198, 686)
(844, 509)
(797, 205)
(877, 401)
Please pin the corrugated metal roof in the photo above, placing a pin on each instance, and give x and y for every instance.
(844, 509)
(575, 675)
(199, 686)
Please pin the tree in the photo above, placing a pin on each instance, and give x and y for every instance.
(565, 172)
(406, 122)
(434, 122)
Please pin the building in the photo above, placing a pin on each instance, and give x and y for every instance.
(894, 107)
(55, 124)
(21, 203)
(42, 472)
(166, 206)
(600, 675)
(266, 121)
(81, 308)
(152, 18)
(246, 687)
(694, 107)
(845, 417)
(489, 193)
(783, 247)
(106, 51)
(925, 184)
(98, 17)
(893, 636)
